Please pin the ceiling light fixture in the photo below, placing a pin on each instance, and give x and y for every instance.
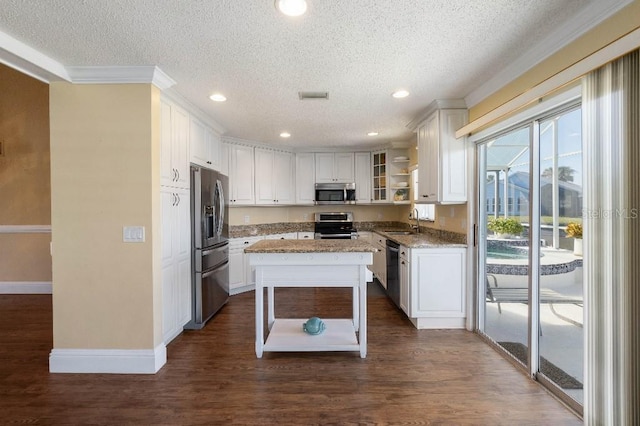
(292, 7)
(285, 135)
(217, 97)
(372, 134)
(400, 94)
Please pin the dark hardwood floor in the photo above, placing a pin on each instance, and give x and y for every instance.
(213, 376)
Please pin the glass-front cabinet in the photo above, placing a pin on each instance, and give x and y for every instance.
(379, 173)
(391, 177)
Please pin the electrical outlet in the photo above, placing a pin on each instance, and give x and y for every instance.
(452, 212)
(380, 215)
(305, 217)
(133, 234)
(443, 221)
(247, 219)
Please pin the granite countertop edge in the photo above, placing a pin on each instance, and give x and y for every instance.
(311, 246)
(427, 238)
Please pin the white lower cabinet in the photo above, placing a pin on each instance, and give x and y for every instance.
(437, 287)
(241, 276)
(176, 261)
(405, 273)
(379, 267)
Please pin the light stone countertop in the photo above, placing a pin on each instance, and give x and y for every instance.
(419, 240)
(311, 246)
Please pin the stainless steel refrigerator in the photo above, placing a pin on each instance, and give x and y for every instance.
(210, 244)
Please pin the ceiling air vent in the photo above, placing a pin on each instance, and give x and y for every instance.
(313, 95)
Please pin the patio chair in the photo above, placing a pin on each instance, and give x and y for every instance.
(497, 294)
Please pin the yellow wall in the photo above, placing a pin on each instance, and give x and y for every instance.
(104, 157)
(623, 22)
(25, 183)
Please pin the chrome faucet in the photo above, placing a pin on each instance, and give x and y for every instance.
(417, 217)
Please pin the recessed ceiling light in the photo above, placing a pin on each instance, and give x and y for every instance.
(372, 134)
(217, 97)
(285, 135)
(292, 7)
(400, 94)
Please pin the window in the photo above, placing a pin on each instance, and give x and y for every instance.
(425, 211)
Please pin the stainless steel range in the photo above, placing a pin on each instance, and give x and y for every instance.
(334, 225)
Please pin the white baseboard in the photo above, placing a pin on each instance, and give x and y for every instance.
(25, 287)
(243, 289)
(438, 322)
(113, 361)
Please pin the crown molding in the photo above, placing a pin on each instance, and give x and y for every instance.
(175, 97)
(17, 55)
(568, 32)
(434, 106)
(121, 75)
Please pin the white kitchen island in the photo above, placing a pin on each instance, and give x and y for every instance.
(311, 263)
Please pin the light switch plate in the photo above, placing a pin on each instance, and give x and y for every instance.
(133, 234)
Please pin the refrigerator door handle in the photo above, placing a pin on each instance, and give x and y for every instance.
(220, 193)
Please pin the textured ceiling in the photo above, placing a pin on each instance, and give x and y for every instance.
(360, 51)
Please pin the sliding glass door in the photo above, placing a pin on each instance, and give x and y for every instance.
(529, 257)
(504, 210)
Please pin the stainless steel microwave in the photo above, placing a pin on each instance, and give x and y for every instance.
(335, 193)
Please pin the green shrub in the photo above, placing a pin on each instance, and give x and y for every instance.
(505, 225)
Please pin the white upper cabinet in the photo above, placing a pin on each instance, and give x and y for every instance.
(363, 177)
(241, 173)
(274, 177)
(174, 146)
(442, 159)
(204, 145)
(334, 167)
(305, 178)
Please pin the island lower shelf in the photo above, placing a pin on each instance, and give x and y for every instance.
(286, 335)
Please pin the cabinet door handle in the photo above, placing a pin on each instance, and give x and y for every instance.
(178, 197)
(173, 196)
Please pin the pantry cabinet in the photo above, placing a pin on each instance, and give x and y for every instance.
(442, 159)
(175, 219)
(274, 177)
(334, 167)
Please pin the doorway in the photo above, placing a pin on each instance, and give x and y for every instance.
(529, 239)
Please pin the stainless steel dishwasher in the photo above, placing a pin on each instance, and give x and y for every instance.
(393, 271)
